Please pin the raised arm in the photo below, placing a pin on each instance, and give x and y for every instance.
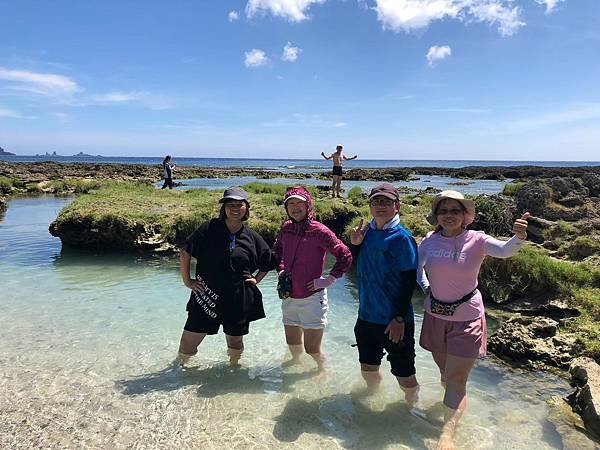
(506, 249)
(350, 157)
(325, 156)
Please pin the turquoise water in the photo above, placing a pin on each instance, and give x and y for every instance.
(87, 342)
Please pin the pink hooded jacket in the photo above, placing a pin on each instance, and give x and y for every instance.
(302, 246)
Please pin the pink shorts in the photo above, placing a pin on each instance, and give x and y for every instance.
(464, 339)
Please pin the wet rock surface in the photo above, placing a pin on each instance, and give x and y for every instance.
(585, 376)
(570, 426)
(533, 342)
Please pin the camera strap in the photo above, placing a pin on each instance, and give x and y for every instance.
(296, 251)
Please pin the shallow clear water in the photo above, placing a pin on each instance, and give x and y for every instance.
(434, 181)
(86, 343)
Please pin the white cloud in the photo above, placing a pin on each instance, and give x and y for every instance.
(119, 97)
(494, 12)
(290, 53)
(47, 84)
(233, 16)
(143, 98)
(292, 10)
(255, 58)
(10, 114)
(412, 15)
(437, 53)
(550, 4)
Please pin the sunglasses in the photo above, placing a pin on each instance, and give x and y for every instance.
(453, 212)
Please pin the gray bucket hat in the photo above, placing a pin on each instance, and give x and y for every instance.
(469, 206)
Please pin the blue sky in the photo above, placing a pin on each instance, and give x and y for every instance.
(397, 79)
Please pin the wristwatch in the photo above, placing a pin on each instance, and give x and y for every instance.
(399, 319)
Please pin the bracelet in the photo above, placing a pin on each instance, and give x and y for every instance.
(399, 319)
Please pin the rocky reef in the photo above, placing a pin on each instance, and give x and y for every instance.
(585, 400)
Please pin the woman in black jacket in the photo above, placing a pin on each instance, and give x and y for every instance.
(231, 260)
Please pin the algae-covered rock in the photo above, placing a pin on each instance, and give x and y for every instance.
(137, 217)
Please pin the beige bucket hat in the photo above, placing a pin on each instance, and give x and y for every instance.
(469, 206)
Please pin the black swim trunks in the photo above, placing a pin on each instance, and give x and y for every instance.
(337, 170)
(371, 341)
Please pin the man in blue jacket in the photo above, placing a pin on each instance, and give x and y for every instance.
(387, 268)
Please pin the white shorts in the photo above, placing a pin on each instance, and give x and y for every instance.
(309, 312)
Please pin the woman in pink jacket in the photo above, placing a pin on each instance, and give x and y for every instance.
(454, 328)
(301, 247)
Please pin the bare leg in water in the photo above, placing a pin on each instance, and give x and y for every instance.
(188, 346)
(454, 372)
(305, 339)
(235, 347)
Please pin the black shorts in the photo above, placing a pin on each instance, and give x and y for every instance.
(198, 322)
(337, 170)
(372, 340)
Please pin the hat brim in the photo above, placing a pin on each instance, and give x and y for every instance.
(469, 206)
(299, 197)
(232, 197)
(384, 194)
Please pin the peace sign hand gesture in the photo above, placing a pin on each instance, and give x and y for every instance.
(520, 226)
(358, 233)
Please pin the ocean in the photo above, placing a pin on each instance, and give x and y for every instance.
(306, 165)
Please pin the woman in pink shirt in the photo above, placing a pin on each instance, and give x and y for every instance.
(454, 328)
(301, 247)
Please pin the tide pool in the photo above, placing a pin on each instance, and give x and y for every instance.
(88, 340)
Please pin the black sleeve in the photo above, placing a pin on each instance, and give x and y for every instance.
(265, 256)
(196, 242)
(408, 281)
(355, 250)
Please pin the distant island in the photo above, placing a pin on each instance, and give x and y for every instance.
(78, 155)
(4, 153)
(87, 155)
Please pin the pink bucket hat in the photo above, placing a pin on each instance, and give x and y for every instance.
(469, 206)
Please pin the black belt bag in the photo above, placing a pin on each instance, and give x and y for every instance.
(448, 308)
